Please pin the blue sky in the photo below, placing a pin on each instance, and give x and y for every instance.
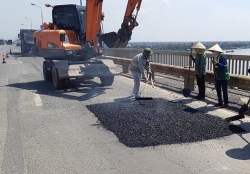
(159, 20)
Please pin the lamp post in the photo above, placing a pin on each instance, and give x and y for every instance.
(80, 2)
(41, 11)
(30, 21)
(24, 25)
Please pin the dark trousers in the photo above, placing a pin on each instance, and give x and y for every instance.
(201, 85)
(222, 84)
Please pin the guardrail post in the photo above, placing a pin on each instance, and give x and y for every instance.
(190, 83)
(124, 68)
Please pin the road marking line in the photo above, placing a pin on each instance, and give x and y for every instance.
(38, 100)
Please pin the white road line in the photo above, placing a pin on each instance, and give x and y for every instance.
(38, 100)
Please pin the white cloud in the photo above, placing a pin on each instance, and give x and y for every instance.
(165, 1)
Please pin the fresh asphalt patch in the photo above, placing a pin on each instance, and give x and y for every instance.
(160, 122)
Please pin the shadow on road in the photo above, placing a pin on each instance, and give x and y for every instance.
(241, 153)
(16, 54)
(19, 54)
(89, 89)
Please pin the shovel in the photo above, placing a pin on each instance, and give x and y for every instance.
(186, 91)
(144, 98)
(151, 81)
(244, 108)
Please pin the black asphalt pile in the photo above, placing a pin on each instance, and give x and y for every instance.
(159, 122)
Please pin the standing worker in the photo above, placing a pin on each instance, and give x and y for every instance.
(221, 75)
(200, 68)
(138, 66)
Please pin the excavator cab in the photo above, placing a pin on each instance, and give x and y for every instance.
(70, 17)
(63, 39)
(73, 17)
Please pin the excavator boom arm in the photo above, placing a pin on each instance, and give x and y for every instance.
(129, 18)
(93, 21)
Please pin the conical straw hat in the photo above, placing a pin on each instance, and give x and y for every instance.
(216, 48)
(198, 45)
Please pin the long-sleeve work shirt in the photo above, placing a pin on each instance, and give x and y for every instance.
(139, 63)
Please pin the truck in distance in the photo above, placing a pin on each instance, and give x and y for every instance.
(26, 40)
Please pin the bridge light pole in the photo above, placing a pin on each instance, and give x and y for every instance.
(41, 11)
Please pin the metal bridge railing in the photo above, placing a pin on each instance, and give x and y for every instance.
(175, 63)
(238, 64)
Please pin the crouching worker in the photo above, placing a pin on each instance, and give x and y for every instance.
(138, 67)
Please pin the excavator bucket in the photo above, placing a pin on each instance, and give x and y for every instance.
(113, 40)
(109, 39)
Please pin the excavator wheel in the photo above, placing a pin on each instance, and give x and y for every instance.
(107, 80)
(58, 83)
(47, 75)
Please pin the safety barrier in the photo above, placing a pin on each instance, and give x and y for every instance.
(238, 64)
(240, 81)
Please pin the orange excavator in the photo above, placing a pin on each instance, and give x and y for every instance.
(71, 44)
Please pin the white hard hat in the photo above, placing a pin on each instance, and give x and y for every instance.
(198, 45)
(216, 48)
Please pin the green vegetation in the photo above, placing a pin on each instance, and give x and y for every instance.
(183, 46)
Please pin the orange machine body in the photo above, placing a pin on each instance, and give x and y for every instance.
(51, 39)
(70, 44)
